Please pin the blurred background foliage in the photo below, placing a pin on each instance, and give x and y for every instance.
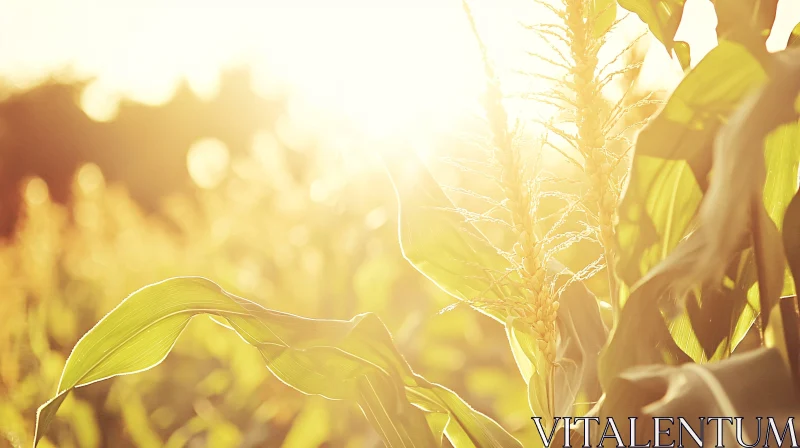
(293, 228)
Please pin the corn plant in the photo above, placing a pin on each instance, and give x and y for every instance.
(700, 249)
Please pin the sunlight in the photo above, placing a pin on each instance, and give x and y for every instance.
(481, 214)
(379, 69)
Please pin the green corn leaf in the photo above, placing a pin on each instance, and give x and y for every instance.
(755, 175)
(352, 360)
(673, 157)
(642, 337)
(661, 16)
(439, 243)
(437, 240)
(755, 165)
(668, 179)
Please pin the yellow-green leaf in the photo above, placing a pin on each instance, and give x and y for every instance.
(668, 179)
(438, 241)
(353, 360)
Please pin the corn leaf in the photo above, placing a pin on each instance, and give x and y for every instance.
(756, 162)
(755, 176)
(692, 391)
(791, 238)
(748, 22)
(583, 336)
(661, 16)
(673, 157)
(437, 240)
(794, 37)
(669, 177)
(642, 337)
(352, 360)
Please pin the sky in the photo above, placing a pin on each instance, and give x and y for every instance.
(390, 68)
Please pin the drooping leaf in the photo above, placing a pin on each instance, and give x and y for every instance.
(685, 128)
(661, 201)
(661, 16)
(753, 384)
(781, 161)
(750, 149)
(352, 360)
(642, 337)
(782, 158)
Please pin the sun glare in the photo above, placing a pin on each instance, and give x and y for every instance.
(381, 69)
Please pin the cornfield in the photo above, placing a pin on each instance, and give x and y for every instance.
(633, 254)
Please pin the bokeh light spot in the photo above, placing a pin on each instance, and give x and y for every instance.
(90, 178)
(99, 103)
(36, 191)
(319, 191)
(376, 218)
(207, 161)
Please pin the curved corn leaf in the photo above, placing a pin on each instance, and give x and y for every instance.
(669, 175)
(437, 240)
(755, 176)
(641, 336)
(668, 178)
(753, 384)
(673, 157)
(345, 360)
